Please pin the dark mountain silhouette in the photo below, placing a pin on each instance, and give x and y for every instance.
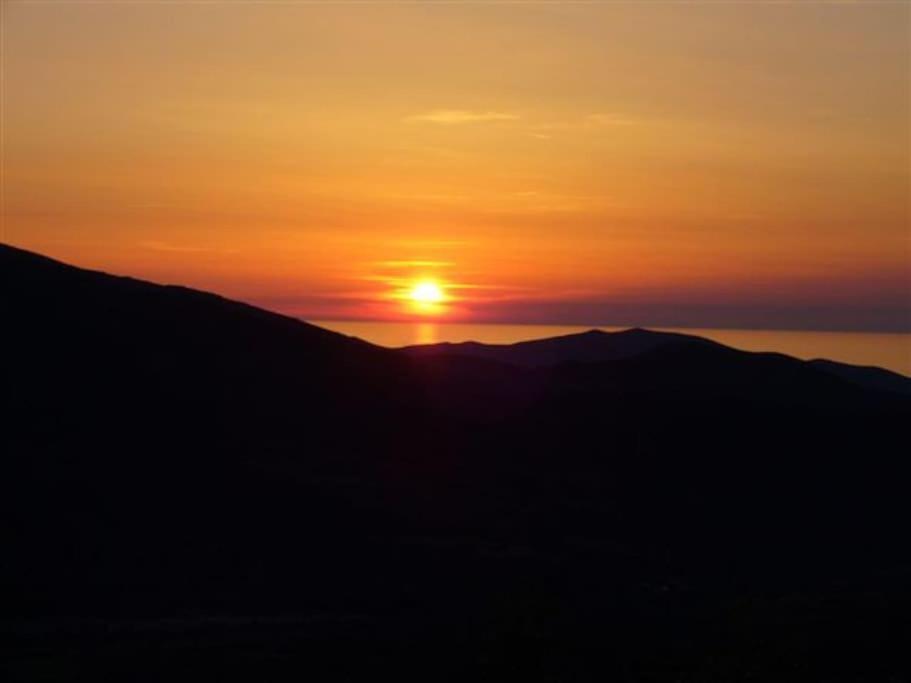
(597, 345)
(198, 489)
(867, 376)
(585, 347)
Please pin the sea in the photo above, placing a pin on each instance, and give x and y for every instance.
(891, 351)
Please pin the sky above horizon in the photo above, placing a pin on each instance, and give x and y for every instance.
(654, 163)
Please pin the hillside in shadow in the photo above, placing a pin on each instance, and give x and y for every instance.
(199, 489)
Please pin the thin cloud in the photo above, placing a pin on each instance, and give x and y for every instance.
(414, 264)
(449, 117)
(178, 248)
(183, 248)
(610, 120)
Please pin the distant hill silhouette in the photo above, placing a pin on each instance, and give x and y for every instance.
(584, 347)
(597, 346)
(866, 376)
(198, 489)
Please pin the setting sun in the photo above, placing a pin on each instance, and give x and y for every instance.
(426, 293)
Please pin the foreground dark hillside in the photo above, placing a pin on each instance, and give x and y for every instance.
(198, 489)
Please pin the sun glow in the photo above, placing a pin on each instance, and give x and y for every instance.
(426, 292)
(426, 297)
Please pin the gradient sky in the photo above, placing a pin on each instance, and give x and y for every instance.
(651, 163)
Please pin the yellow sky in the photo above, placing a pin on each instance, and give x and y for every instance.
(647, 163)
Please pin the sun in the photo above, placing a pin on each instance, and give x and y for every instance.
(425, 297)
(426, 292)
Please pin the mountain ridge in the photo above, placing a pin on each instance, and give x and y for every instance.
(598, 346)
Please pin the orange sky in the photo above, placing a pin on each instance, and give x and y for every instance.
(740, 164)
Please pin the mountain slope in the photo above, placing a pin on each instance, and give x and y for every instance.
(199, 485)
(77, 337)
(867, 376)
(155, 435)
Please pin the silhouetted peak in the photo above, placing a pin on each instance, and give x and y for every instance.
(592, 345)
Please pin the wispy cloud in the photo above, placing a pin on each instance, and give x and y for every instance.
(610, 120)
(590, 122)
(414, 264)
(183, 248)
(164, 246)
(449, 117)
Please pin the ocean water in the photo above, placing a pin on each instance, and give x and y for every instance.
(890, 351)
